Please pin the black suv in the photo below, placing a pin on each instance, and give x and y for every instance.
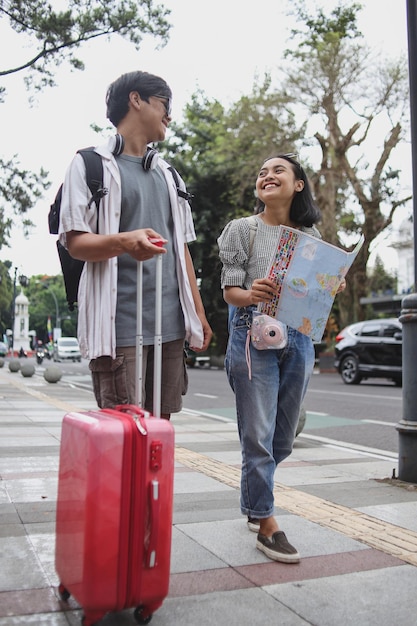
(371, 349)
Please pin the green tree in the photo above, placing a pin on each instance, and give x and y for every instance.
(51, 37)
(355, 103)
(6, 297)
(380, 281)
(46, 295)
(219, 152)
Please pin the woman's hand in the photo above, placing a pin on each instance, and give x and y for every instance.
(342, 286)
(262, 290)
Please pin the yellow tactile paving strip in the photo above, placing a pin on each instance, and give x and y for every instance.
(375, 533)
(56, 402)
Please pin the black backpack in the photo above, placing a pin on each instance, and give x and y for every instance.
(72, 268)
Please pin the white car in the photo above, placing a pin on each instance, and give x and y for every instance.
(67, 349)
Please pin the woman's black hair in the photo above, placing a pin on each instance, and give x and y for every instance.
(117, 97)
(304, 211)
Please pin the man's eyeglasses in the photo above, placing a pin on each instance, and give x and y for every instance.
(167, 102)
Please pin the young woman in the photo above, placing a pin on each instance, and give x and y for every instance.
(267, 403)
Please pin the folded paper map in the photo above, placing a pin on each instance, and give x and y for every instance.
(308, 272)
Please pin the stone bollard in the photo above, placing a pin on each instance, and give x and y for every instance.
(27, 370)
(14, 365)
(407, 427)
(52, 374)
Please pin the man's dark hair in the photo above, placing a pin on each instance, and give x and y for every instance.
(304, 210)
(117, 97)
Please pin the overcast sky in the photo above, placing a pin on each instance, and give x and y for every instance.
(218, 47)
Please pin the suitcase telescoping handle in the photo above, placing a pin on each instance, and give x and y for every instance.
(157, 375)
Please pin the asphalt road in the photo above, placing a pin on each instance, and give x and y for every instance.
(363, 416)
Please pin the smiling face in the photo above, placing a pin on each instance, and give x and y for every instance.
(152, 115)
(277, 183)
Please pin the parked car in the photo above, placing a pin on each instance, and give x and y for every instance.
(371, 349)
(3, 348)
(67, 349)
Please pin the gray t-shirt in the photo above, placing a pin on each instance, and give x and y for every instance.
(145, 204)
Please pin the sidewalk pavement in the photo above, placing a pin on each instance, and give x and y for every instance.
(356, 529)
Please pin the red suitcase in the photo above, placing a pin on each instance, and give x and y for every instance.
(114, 506)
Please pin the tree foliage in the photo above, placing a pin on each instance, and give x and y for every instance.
(380, 281)
(219, 152)
(355, 104)
(6, 296)
(19, 191)
(46, 295)
(50, 37)
(55, 36)
(334, 96)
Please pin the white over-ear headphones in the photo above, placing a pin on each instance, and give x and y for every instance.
(150, 159)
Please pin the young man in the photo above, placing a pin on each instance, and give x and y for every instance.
(142, 203)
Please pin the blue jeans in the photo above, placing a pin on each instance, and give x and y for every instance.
(267, 407)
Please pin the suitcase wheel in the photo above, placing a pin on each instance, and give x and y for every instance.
(138, 615)
(64, 594)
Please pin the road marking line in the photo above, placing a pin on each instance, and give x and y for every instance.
(384, 455)
(347, 393)
(380, 422)
(204, 395)
(383, 536)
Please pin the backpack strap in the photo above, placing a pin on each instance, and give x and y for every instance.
(183, 193)
(94, 175)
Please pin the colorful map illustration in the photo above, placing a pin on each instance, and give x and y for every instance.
(308, 272)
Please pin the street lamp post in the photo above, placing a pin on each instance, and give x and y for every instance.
(23, 280)
(407, 427)
(57, 316)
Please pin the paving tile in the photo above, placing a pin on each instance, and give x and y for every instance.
(24, 441)
(23, 602)
(20, 566)
(402, 514)
(8, 513)
(11, 465)
(189, 556)
(12, 530)
(4, 496)
(334, 473)
(39, 619)
(196, 437)
(206, 581)
(233, 543)
(43, 545)
(318, 567)
(20, 451)
(234, 608)
(37, 512)
(196, 482)
(371, 598)
(212, 447)
(227, 457)
(40, 528)
(32, 489)
(364, 492)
